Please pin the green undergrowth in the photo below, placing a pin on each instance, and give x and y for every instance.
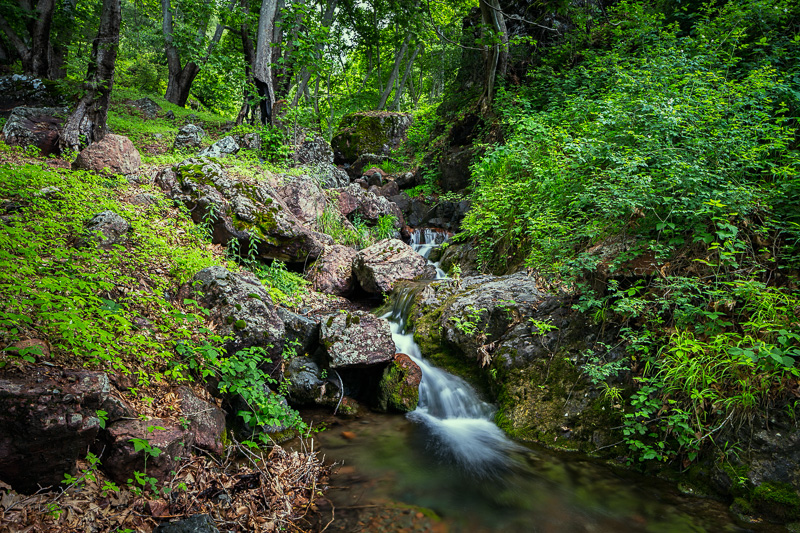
(655, 171)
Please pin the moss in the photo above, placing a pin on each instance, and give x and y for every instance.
(776, 500)
(239, 324)
(393, 393)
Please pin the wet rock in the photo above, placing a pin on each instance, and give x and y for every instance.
(48, 419)
(464, 255)
(369, 132)
(302, 333)
(356, 339)
(313, 150)
(206, 421)
(403, 202)
(189, 137)
(332, 273)
(199, 523)
(147, 106)
(122, 460)
(106, 228)
(378, 267)
(420, 212)
(241, 308)
(35, 126)
(221, 148)
(304, 198)
(307, 386)
(113, 153)
(250, 213)
(399, 385)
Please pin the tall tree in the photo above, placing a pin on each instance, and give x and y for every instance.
(398, 58)
(38, 21)
(91, 115)
(495, 38)
(181, 75)
(262, 65)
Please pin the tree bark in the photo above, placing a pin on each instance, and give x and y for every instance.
(395, 71)
(496, 56)
(400, 88)
(91, 115)
(35, 59)
(305, 75)
(262, 67)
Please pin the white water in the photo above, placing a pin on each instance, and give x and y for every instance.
(459, 421)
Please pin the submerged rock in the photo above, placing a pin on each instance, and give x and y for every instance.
(356, 339)
(380, 266)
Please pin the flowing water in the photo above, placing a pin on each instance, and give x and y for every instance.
(448, 467)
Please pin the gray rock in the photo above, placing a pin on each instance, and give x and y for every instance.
(356, 339)
(380, 266)
(169, 115)
(301, 332)
(408, 180)
(454, 169)
(307, 386)
(420, 213)
(106, 228)
(199, 523)
(147, 106)
(369, 132)
(312, 151)
(240, 306)
(355, 200)
(23, 90)
(332, 273)
(328, 175)
(249, 141)
(189, 136)
(221, 148)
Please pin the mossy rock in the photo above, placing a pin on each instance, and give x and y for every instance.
(398, 389)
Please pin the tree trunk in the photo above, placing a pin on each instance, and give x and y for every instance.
(91, 114)
(399, 93)
(40, 20)
(305, 75)
(496, 56)
(262, 67)
(395, 71)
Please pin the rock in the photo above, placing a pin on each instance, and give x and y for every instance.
(302, 333)
(169, 115)
(367, 161)
(144, 199)
(122, 460)
(307, 386)
(378, 267)
(464, 255)
(313, 151)
(403, 202)
(48, 420)
(241, 308)
(389, 190)
(199, 523)
(106, 228)
(332, 273)
(250, 213)
(374, 176)
(221, 148)
(398, 389)
(353, 199)
(374, 132)
(420, 212)
(147, 106)
(189, 136)
(23, 90)
(408, 180)
(113, 153)
(206, 421)
(35, 126)
(454, 169)
(249, 141)
(304, 198)
(356, 339)
(328, 175)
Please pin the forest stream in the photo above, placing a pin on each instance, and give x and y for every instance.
(447, 467)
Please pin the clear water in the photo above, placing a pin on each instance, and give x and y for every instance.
(448, 456)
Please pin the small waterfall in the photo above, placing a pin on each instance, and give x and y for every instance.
(459, 421)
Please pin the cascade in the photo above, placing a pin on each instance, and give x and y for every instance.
(460, 424)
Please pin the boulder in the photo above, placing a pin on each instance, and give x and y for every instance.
(302, 333)
(328, 175)
(250, 213)
(419, 213)
(304, 198)
(355, 200)
(408, 180)
(248, 141)
(35, 126)
(48, 420)
(189, 137)
(398, 389)
(378, 267)
(454, 169)
(240, 307)
(332, 273)
(168, 443)
(356, 339)
(106, 228)
(221, 148)
(206, 421)
(465, 255)
(147, 106)
(307, 386)
(313, 150)
(113, 153)
(199, 523)
(23, 90)
(373, 132)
